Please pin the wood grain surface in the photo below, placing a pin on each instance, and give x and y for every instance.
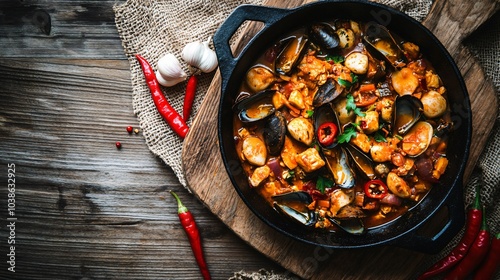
(451, 21)
(84, 209)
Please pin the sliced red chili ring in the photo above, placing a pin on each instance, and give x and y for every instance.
(376, 189)
(327, 133)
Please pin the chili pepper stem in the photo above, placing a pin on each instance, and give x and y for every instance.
(180, 207)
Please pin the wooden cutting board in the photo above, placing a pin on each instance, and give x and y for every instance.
(451, 21)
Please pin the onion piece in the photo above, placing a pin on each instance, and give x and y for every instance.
(391, 199)
(275, 167)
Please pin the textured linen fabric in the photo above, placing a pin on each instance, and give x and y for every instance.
(153, 28)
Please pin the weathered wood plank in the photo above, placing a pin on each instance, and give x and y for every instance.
(84, 29)
(84, 208)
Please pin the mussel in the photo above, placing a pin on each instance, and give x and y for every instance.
(383, 43)
(407, 111)
(259, 78)
(418, 138)
(337, 162)
(363, 162)
(325, 114)
(324, 35)
(294, 205)
(291, 54)
(327, 92)
(274, 133)
(255, 107)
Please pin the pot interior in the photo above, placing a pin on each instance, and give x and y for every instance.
(432, 49)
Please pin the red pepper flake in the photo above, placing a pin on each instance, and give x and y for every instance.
(129, 129)
(118, 145)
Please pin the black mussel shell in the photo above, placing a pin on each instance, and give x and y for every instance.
(255, 107)
(407, 111)
(324, 35)
(363, 162)
(274, 133)
(326, 114)
(327, 92)
(381, 43)
(291, 54)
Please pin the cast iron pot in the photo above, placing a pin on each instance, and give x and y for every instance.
(402, 232)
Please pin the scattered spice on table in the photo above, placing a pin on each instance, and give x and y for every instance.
(191, 229)
(130, 129)
(169, 114)
(118, 145)
(491, 263)
(472, 227)
(474, 256)
(136, 131)
(189, 96)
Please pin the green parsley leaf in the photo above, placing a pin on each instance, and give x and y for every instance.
(379, 137)
(344, 83)
(351, 106)
(348, 133)
(322, 183)
(310, 113)
(354, 78)
(335, 58)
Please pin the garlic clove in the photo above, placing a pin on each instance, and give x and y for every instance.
(170, 71)
(167, 83)
(199, 55)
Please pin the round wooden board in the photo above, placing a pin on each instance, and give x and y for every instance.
(451, 21)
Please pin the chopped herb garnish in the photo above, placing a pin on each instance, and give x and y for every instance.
(309, 113)
(351, 106)
(335, 58)
(379, 137)
(322, 183)
(354, 78)
(348, 133)
(344, 83)
(289, 175)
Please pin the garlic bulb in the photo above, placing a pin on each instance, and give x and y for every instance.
(170, 71)
(199, 55)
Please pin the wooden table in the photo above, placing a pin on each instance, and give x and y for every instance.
(84, 208)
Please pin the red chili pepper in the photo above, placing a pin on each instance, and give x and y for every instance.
(376, 189)
(492, 261)
(327, 133)
(189, 97)
(189, 225)
(475, 255)
(473, 224)
(173, 119)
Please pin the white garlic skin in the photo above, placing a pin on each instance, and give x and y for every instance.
(170, 71)
(199, 55)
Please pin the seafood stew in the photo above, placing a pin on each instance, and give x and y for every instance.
(342, 125)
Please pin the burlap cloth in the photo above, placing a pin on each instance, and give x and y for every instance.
(156, 27)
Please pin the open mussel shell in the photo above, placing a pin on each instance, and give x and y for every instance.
(274, 133)
(255, 107)
(338, 164)
(294, 205)
(352, 226)
(407, 111)
(327, 92)
(324, 35)
(291, 54)
(382, 44)
(363, 162)
(326, 114)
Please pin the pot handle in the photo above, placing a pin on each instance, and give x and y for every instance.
(434, 244)
(266, 15)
